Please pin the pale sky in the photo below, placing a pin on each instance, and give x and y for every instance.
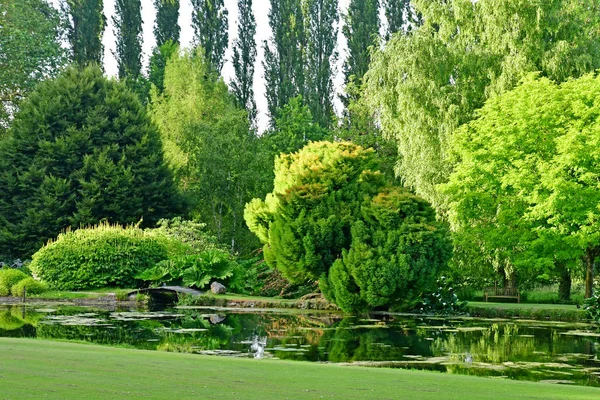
(263, 31)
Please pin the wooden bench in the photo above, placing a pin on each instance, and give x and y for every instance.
(502, 293)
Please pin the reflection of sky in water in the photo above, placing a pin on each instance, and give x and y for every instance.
(528, 350)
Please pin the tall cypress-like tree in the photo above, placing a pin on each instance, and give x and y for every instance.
(165, 26)
(128, 31)
(321, 32)
(87, 23)
(361, 30)
(209, 20)
(244, 57)
(166, 32)
(284, 61)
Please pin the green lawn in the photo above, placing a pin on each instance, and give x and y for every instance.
(32, 368)
(524, 306)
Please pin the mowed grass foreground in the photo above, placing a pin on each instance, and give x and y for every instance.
(32, 368)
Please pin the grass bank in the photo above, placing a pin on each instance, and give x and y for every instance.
(57, 370)
(556, 312)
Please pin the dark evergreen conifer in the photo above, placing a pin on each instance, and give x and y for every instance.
(80, 150)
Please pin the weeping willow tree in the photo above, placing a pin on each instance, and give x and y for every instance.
(425, 85)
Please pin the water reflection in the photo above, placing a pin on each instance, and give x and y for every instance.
(526, 350)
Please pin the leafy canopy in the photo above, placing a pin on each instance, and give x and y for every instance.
(426, 84)
(30, 50)
(209, 145)
(524, 186)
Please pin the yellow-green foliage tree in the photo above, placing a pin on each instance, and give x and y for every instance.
(334, 217)
(210, 146)
(525, 187)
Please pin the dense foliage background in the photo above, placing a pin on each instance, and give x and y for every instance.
(479, 116)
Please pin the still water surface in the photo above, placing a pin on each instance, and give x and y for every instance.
(516, 349)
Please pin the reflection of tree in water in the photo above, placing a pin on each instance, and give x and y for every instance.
(192, 332)
(138, 334)
(519, 352)
(497, 344)
(17, 321)
(348, 341)
(351, 343)
(501, 343)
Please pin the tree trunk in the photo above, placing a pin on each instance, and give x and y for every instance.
(589, 261)
(564, 287)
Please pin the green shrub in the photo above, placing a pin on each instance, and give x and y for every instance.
(443, 301)
(592, 307)
(33, 287)
(8, 278)
(100, 256)
(186, 237)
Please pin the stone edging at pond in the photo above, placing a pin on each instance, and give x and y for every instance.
(110, 301)
(308, 304)
(106, 302)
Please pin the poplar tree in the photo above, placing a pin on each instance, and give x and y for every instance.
(166, 33)
(400, 16)
(361, 30)
(321, 32)
(284, 64)
(128, 31)
(209, 20)
(165, 26)
(87, 23)
(244, 57)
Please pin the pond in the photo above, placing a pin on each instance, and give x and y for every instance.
(516, 349)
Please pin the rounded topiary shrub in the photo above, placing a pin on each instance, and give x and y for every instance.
(33, 287)
(8, 278)
(100, 256)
